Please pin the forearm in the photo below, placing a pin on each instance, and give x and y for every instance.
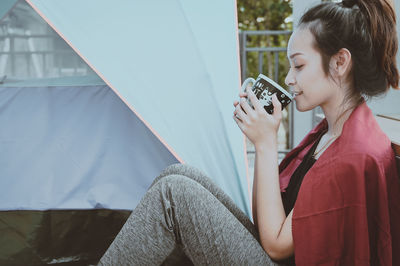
(275, 229)
(270, 214)
(254, 202)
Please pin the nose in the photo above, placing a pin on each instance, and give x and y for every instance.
(290, 80)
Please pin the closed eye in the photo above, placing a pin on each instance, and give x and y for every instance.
(298, 67)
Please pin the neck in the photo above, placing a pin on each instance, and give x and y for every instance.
(336, 118)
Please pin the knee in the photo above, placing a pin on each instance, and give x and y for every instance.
(176, 185)
(172, 180)
(171, 169)
(181, 169)
(186, 171)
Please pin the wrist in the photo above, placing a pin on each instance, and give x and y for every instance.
(266, 145)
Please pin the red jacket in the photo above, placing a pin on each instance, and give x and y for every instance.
(348, 208)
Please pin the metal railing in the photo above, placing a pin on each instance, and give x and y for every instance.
(245, 49)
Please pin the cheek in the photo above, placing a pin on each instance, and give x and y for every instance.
(311, 79)
(315, 87)
(305, 80)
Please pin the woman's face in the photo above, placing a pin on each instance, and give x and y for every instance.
(306, 77)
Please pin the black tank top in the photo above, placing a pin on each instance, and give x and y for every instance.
(289, 197)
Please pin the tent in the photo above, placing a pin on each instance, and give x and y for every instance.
(78, 153)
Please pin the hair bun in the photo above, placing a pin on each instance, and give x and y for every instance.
(349, 3)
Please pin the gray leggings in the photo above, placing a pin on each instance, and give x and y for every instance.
(184, 209)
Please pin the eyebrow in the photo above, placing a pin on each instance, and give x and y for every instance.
(293, 55)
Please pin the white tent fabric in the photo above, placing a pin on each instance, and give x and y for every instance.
(175, 64)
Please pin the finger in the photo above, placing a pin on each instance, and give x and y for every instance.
(277, 106)
(238, 122)
(254, 101)
(246, 107)
(243, 94)
(248, 87)
(235, 114)
(235, 103)
(241, 114)
(236, 118)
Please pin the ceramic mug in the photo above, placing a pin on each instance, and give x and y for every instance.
(264, 87)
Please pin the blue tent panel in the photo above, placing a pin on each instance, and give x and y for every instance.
(74, 147)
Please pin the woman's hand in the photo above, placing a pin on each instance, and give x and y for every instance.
(259, 126)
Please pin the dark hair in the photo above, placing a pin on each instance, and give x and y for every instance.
(367, 28)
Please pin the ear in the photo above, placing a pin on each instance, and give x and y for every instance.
(341, 62)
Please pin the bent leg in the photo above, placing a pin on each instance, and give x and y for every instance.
(201, 178)
(177, 210)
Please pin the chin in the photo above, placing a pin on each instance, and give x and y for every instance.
(304, 106)
(301, 108)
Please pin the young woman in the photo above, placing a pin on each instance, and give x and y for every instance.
(333, 200)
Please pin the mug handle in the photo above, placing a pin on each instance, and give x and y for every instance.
(244, 85)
